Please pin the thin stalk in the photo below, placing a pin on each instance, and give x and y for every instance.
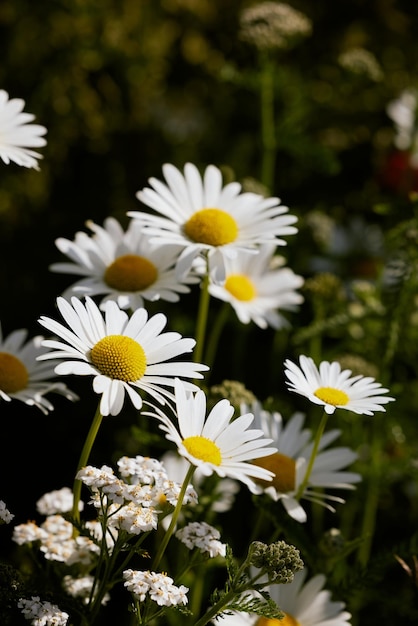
(268, 127)
(202, 318)
(213, 339)
(174, 517)
(314, 452)
(84, 457)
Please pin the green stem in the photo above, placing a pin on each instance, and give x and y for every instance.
(202, 317)
(268, 130)
(174, 517)
(314, 452)
(372, 496)
(85, 453)
(216, 330)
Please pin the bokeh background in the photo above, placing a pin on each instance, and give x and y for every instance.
(125, 86)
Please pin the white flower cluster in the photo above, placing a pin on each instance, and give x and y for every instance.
(57, 501)
(158, 586)
(56, 539)
(81, 588)
(42, 613)
(5, 515)
(203, 536)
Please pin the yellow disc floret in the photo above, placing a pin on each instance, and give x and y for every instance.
(13, 374)
(213, 227)
(336, 397)
(119, 357)
(283, 468)
(240, 287)
(203, 449)
(288, 620)
(130, 272)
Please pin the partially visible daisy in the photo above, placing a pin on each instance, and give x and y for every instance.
(215, 444)
(203, 216)
(22, 377)
(257, 290)
(124, 354)
(335, 388)
(304, 603)
(294, 448)
(121, 265)
(17, 136)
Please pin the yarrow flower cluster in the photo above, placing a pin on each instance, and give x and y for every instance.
(42, 613)
(270, 25)
(203, 536)
(159, 587)
(5, 515)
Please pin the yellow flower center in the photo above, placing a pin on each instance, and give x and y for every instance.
(203, 449)
(283, 468)
(211, 226)
(288, 620)
(336, 397)
(240, 287)
(119, 357)
(130, 272)
(13, 374)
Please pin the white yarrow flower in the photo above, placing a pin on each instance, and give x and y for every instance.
(159, 587)
(17, 135)
(124, 355)
(205, 217)
(5, 515)
(335, 388)
(42, 613)
(202, 536)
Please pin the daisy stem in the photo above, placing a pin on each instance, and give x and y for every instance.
(202, 317)
(215, 333)
(318, 436)
(85, 453)
(162, 546)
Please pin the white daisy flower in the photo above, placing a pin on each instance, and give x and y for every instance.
(22, 377)
(303, 603)
(335, 388)
(121, 265)
(294, 447)
(202, 215)
(215, 444)
(124, 355)
(17, 136)
(257, 290)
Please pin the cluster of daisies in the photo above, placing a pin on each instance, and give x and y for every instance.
(202, 233)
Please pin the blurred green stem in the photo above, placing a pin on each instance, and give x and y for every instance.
(202, 318)
(372, 495)
(174, 517)
(215, 333)
(318, 436)
(268, 127)
(84, 457)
